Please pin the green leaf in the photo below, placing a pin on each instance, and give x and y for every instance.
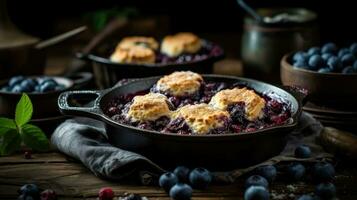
(10, 141)
(23, 111)
(34, 137)
(6, 124)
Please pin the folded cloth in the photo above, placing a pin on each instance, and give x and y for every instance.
(85, 140)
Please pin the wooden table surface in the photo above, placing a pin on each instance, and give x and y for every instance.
(71, 180)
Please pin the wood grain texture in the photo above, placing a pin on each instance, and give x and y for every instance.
(71, 180)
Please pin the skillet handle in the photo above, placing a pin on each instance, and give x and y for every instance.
(92, 111)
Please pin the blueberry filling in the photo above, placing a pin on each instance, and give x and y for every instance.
(275, 112)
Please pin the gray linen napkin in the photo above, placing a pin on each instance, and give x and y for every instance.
(85, 140)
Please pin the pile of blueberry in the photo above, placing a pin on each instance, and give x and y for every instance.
(257, 185)
(32, 192)
(20, 84)
(180, 182)
(328, 58)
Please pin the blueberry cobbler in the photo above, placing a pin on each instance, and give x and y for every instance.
(184, 103)
(178, 48)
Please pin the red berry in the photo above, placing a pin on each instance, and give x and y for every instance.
(48, 195)
(28, 155)
(106, 194)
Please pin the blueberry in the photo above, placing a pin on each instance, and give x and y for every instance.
(181, 191)
(325, 190)
(315, 62)
(296, 171)
(323, 171)
(15, 80)
(167, 180)
(28, 84)
(305, 197)
(313, 51)
(353, 48)
(299, 56)
(348, 70)
(303, 151)
(257, 181)
(326, 56)
(256, 193)
(324, 70)
(301, 64)
(29, 190)
(348, 59)
(47, 86)
(329, 48)
(48, 195)
(355, 66)
(268, 172)
(342, 52)
(44, 79)
(200, 178)
(334, 63)
(6, 89)
(182, 173)
(17, 89)
(38, 88)
(132, 197)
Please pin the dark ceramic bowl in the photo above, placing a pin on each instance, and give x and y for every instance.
(108, 73)
(331, 89)
(44, 104)
(223, 151)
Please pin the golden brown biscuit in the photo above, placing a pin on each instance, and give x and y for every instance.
(254, 104)
(148, 42)
(134, 54)
(175, 45)
(180, 83)
(201, 118)
(148, 107)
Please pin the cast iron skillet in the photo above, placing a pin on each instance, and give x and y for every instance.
(218, 152)
(107, 73)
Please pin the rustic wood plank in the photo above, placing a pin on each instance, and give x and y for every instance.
(52, 157)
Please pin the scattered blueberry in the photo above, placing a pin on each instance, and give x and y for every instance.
(256, 193)
(106, 194)
(348, 70)
(325, 190)
(182, 173)
(256, 180)
(334, 63)
(167, 180)
(269, 172)
(28, 155)
(305, 197)
(48, 195)
(323, 171)
(200, 178)
(181, 191)
(315, 62)
(329, 48)
(296, 171)
(313, 51)
(132, 197)
(15, 80)
(348, 59)
(326, 56)
(353, 48)
(303, 151)
(324, 70)
(30, 190)
(343, 51)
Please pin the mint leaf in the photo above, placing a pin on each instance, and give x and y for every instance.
(23, 111)
(6, 124)
(34, 137)
(10, 141)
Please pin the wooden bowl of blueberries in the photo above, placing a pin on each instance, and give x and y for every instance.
(329, 73)
(42, 90)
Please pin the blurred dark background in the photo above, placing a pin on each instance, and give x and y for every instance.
(336, 18)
